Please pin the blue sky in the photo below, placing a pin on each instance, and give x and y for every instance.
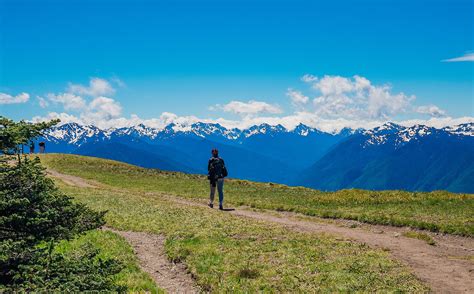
(194, 58)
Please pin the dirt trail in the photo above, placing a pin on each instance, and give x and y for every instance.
(149, 248)
(71, 180)
(446, 267)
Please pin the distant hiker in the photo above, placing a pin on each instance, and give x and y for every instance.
(216, 174)
(41, 146)
(32, 147)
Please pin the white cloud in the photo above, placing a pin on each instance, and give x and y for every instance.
(118, 82)
(167, 118)
(438, 122)
(332, 125)
(431, 110)
(9, 99)
(102, 108)
(251, 107)
(310, 119)
(356, 98)
(307, 78)
(68, 100)
(340, 102)
(102, 112)
(64, 117)
(97, 87)
(74, 99)
(43, 103)
(98, 111)
(383, 104)
(333, 85)
(297, 98)
(106, 105)
(361, 83)
(289, 121)
(466, 57)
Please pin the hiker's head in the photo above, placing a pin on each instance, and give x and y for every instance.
(215, 152)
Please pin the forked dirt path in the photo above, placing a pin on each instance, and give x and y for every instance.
(149, 248)
(447, 267)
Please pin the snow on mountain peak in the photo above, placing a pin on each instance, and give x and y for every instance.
(348, 131)
(387, 127)
(466, 129)
(143, 130)
(304, 130)
(263, 129)
(413, 133)
(379, 135)
(76, 134)
(397, 134)
(73, 133)
(202, 129)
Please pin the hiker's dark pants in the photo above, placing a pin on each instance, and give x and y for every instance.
(220, 189)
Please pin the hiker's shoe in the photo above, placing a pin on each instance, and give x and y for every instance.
(210, 205)
(220, 207)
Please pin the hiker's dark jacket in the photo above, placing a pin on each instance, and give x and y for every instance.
(216, 168)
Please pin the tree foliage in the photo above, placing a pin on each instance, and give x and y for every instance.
(13, 135)
(34, 216)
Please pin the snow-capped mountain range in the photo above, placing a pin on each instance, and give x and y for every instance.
(417, 158)
(76, 134)
(399, 135)
(390, 156)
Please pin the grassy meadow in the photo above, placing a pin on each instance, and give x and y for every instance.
(438, 211)
(111, 245)
(225, 252)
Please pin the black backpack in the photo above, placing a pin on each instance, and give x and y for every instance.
(218, 169)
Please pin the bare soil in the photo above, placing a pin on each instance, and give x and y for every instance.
(149, 248)
(72, 180)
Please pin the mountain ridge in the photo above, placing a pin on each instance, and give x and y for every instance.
(351, 158)
(202, 129)
(416, 158)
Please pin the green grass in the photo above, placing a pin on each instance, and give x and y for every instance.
(438, 211)
(114, 246)
(226, 253)
(421, 236)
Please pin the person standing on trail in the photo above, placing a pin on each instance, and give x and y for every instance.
(32, 147)
(216, 174)
(41, 147)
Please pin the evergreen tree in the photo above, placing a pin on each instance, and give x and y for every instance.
(34, 216)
